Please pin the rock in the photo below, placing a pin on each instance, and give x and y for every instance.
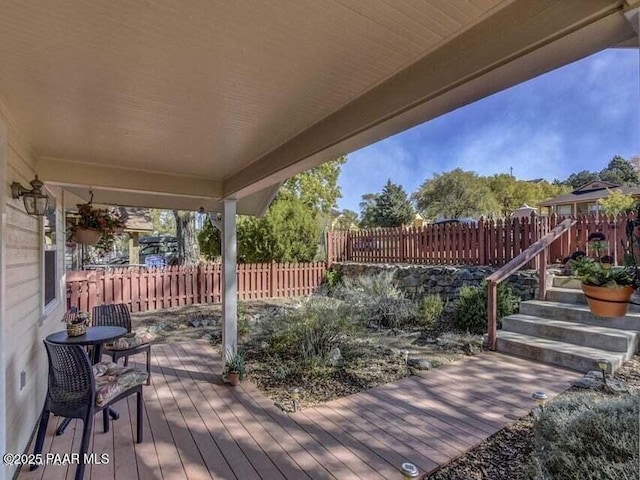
(419, 364)
(470, 349)
(588, 383)
(335, 358)
(617, 386)
(593, 381)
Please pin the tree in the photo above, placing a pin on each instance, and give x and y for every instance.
(188, 249)
(367, 210)
(617, 203)
(291, 229)
(287, 233)
(456, 194)
(620, 171)
(392, 207)
(164, 222)
(511, 193)
(210, 241)
(576, 180)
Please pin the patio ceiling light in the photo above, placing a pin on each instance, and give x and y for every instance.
(35, 202)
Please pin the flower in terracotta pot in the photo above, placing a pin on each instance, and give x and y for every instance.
(234, 368)
(608, 288)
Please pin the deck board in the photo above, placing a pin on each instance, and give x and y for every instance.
(196, 427)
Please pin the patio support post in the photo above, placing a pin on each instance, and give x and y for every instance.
(4, 470)
(229, 279)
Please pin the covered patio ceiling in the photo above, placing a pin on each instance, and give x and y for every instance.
(182, 104)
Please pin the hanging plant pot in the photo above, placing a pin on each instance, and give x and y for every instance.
(606, 301)
(87, 236)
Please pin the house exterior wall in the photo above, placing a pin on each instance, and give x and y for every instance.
(24, 320)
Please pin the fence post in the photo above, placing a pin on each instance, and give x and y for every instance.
(273, 278)
(349, 247)
(402, 250)
(329, 243)
(492, 313)
(482, 249)
(542, 274)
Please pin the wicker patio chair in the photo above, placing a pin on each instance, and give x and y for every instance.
(78, 390)
(117, 315)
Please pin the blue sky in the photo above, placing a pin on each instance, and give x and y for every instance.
(570, 119)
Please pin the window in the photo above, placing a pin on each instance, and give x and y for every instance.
(594, 208)
(50, 253)
(565, 210)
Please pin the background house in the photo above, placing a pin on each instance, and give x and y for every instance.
(584, 200)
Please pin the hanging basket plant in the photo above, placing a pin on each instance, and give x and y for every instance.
(97, 226)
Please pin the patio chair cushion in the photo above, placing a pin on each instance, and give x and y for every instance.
(112, 380)
(130, 340)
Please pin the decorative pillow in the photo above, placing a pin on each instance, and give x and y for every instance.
(130, 340)
(112, 380)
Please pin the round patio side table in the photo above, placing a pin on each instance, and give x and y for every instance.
(95, 337)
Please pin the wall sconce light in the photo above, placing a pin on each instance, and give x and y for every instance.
(35, 202)
(540, 398)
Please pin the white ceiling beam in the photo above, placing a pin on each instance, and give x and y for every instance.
(75, 174)
(458, 73)
(255, 204)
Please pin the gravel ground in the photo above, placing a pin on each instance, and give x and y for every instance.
(504, 456)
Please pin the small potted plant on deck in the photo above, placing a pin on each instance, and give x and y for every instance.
(234, 368)
(608, 288)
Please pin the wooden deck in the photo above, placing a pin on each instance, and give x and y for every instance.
(196, 428)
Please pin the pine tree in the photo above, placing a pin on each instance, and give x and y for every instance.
(393, 207)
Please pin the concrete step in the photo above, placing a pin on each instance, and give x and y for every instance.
(566, 295)
(572, 295)
(566, 282)
(592, 336)
(567, 355)
(569, 312)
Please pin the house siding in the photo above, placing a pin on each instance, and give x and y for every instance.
(23, 318)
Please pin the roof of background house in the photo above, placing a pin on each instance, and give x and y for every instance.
(588, 192)
(137, 219)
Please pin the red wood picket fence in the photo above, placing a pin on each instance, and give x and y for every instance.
(145, 289)
(489, 242)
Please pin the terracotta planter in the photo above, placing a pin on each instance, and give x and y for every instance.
(87, 236)
(608, 302)
(234, 378)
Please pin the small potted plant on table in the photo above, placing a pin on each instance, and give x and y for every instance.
(608, 288)
(234, 368)
(77, 322)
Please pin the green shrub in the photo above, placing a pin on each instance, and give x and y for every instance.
(376, 299)
(332, 278)
(470, 312)
(430, 310)
(587, 436)
(309, 332)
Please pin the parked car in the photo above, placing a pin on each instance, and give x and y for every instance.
(158, 251)
(456, 221)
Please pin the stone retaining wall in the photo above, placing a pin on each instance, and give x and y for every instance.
(420, 280)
